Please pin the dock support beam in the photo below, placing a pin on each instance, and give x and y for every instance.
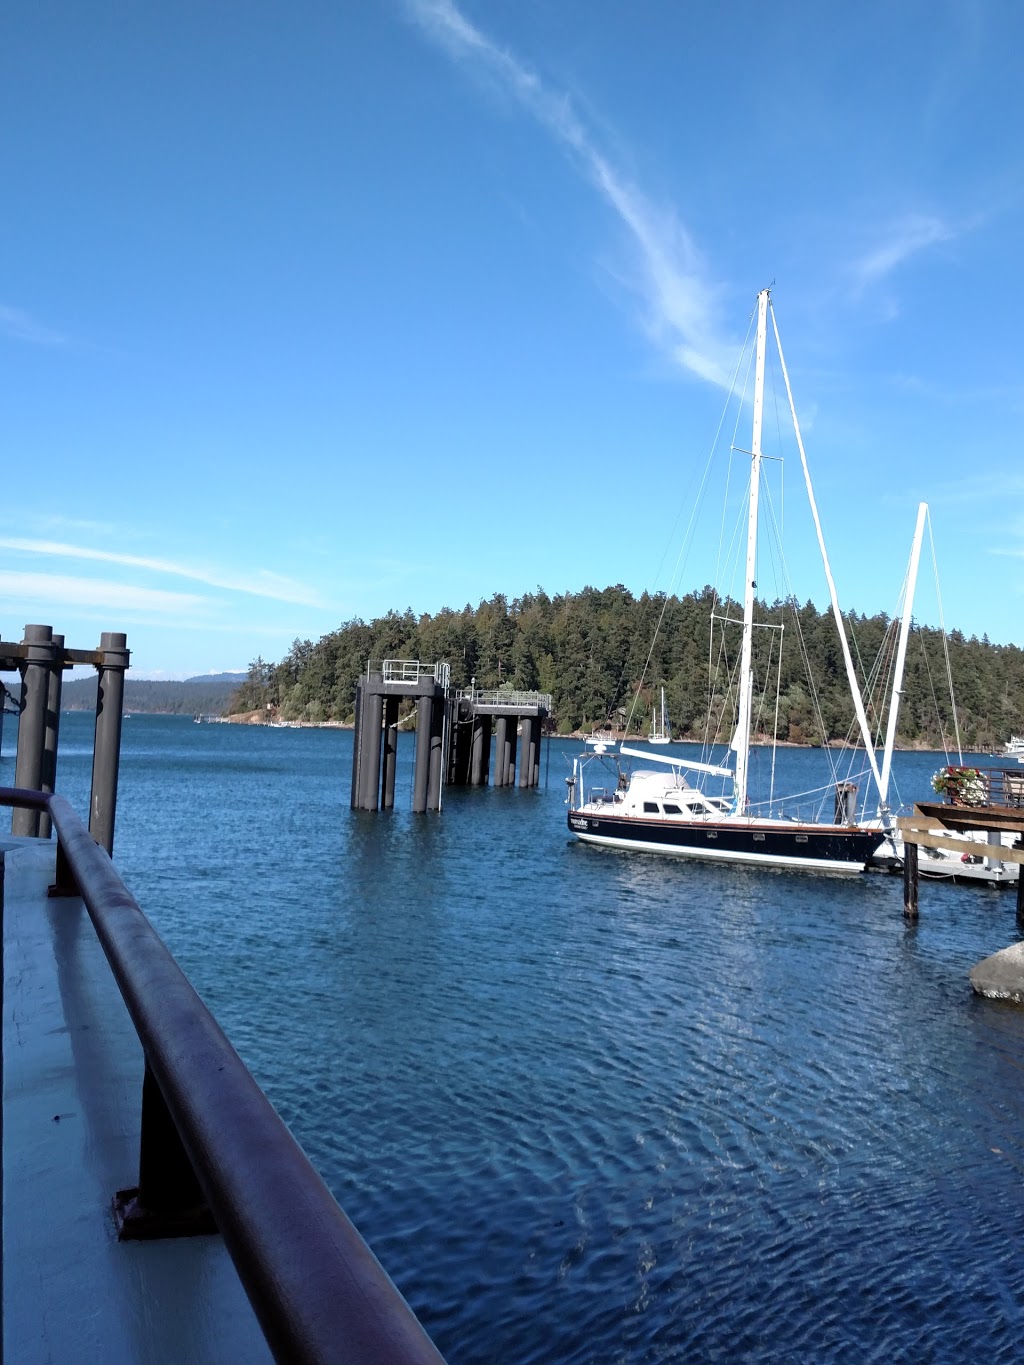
(35, 688)
(501, 751)
(480, 760)
(436, 757)
(421, 768)
(106, 754)
(910, 880)
(390, 751)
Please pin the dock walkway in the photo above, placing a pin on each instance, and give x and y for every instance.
(72, 1072)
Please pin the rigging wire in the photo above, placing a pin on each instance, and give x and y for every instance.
(945, 645)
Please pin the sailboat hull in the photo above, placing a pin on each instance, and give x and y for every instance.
(812, 848)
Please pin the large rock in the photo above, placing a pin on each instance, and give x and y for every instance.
(1001, 976)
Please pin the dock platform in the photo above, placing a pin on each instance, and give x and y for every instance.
(72, 1075)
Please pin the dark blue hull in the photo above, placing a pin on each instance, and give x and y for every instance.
(817, 848)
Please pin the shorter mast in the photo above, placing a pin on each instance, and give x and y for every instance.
(741, 741)
(901, 658)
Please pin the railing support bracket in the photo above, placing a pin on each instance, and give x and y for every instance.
(138, 1224)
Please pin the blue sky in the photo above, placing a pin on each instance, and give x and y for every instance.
(311, 311)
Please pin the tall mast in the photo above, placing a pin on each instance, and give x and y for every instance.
(901, 658)
(742, 740)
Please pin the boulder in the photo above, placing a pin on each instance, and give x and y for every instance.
(1001, 976)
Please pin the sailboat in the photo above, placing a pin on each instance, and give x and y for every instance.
(659, 729)
(668, 810)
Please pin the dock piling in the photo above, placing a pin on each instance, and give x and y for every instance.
(113, 661)
(910, 880)
(35, 670)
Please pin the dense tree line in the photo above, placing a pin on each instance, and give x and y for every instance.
(592, 652)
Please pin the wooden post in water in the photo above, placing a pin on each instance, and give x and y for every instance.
(1019, 843)
(910, 879)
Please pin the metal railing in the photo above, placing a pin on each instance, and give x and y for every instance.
(409, 670)
(208, 1131)
(507, 696)
(994, 786)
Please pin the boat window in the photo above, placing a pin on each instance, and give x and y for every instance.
(712, 833)
(650, 808)
(672, 810)
(801, 838)
(758, 838)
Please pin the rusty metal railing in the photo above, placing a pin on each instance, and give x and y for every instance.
(214, 1151)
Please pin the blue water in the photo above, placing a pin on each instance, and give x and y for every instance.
(590, 1106)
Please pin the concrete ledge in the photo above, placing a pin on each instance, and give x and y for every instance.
(1001, 976)
(72, 1082)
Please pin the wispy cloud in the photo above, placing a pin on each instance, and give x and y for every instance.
(64, 591)
(258, 583)
(16, 323)
(672, 277)
(906, 237)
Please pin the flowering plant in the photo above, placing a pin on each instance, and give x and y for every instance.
(961, 786)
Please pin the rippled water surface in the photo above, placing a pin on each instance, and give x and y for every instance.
(591, 1106)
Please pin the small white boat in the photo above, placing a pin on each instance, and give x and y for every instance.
(1014, 748)
(659, 728)
(600, 742)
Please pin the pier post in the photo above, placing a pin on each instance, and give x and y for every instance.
(50, 738)
(510, 749)
(35, 685)
(354, 799)
(1019, 843)
(481, 753)
(910, 880)
(436, 758)
(390, 751)
(421, 767)
(501, 751)
(370, 743)
(106, 754)
(526, 752)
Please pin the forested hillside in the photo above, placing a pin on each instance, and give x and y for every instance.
(202, 696)
(590, 651)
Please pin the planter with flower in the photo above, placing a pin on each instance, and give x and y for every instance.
(961, 786)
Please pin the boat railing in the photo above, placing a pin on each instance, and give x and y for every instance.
(996, 787)
(210, 1137)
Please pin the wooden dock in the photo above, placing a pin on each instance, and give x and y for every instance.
(937, 825)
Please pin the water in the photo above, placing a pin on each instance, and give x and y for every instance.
(590, 1106)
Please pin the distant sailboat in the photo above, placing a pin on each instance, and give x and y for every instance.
(659, 727)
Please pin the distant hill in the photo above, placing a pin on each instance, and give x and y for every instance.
(207, 696)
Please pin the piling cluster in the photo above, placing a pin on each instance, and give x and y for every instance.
(41, 658)
(454, 731)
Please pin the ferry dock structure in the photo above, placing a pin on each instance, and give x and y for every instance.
(453, 734)
(155, 1206)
